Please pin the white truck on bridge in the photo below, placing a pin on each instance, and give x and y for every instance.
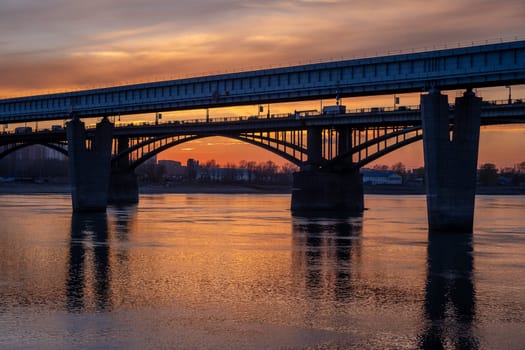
(333, 110)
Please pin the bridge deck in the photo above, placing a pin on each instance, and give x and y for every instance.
(479, 66)
(492, 113)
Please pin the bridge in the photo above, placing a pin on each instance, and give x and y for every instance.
(375, 132)
(330, 149)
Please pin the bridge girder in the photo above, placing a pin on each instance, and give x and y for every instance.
(458, 68)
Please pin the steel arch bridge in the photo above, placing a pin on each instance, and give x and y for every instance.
(338, 142)
(329, 150)
(343, 142)
(366, 144)
(341, 147)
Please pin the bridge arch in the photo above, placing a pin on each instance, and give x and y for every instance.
(62, 148)
(379, 146)
(287, 145)
(139, 149)
(146, 149)
(281, 144)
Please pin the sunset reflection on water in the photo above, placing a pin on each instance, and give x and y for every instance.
(239, 271)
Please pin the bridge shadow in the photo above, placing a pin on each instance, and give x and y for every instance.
(324, 247)
(89, 243)
(450, 295)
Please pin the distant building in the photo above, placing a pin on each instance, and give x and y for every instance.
(172, 168)
(375, 177)
(192, 169)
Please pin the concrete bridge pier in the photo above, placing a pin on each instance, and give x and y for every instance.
(327, 191)
(450, 160)
(89, 167)
(123, 184)
(316, 188)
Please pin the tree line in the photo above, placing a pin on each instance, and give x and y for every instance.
(257, 172)
(267, 172)
(488, 173)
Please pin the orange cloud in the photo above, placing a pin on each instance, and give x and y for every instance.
(54, 45)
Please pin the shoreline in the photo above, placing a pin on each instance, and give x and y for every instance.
(216, 188)
(47, 188)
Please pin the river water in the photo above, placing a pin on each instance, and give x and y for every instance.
(206, 271)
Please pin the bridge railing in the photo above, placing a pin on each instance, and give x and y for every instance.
(314, 113)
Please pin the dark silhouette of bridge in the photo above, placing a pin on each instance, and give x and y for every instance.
(374, 132)
(329, 148)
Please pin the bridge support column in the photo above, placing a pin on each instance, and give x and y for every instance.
(315, 146)
(318, 189)
(89, 169)
(327, 191)
(450, 160)
(123, 185)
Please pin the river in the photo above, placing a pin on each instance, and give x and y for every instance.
(218, 271)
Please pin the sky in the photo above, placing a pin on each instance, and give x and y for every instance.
(58, 45)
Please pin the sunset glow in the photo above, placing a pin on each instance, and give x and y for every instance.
(52, 46)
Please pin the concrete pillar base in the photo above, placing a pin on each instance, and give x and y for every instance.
(123, 188)
(327, 191)
(450, 161)
(89, 169)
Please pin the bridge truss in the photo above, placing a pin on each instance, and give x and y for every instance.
(367, 143)
(349, 141)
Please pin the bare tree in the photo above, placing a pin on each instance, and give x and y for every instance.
(289, 168)
(380, 167)
(211, 164)
(399, 168)
(488, 174)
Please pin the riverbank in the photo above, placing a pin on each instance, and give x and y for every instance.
(34, 188)
(215, 188)
(480, 190)
(47, 188)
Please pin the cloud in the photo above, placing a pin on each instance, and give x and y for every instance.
(226, 142)
(55, 44)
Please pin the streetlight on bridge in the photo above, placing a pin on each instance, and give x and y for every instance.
(510, 96)
(396, 101)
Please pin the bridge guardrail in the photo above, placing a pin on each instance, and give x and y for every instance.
(354, 111)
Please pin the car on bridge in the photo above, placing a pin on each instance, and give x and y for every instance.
(305, 113)
(23, 130)
(333, 110)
